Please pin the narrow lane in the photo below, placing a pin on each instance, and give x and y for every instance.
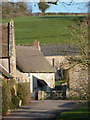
(42, 110)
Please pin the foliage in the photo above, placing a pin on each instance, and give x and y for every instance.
(15, 101)
(58, 83)
(11, 9)
(9, 100)
(23, 91)
(6, 97)
(43, 6)
(80, 32)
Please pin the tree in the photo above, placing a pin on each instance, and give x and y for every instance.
(80, 33)
(11, 9)
(53, 2)
(80, 62)
(43, 6)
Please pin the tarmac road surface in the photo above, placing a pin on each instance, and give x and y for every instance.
(42, 110)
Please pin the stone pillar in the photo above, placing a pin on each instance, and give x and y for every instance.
(12, 49)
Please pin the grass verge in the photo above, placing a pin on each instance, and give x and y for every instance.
(81, 113)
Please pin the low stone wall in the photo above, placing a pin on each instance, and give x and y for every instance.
(78, 82)
(44, 95)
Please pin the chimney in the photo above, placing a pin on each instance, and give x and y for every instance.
(37, 44)
(12, 49)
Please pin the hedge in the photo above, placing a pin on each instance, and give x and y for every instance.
(23, 92)
(9, 99)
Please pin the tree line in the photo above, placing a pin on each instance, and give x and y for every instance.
(11, 9)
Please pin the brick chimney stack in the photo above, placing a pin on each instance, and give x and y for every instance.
(37, 44)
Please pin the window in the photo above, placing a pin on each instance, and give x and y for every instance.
(53, 62)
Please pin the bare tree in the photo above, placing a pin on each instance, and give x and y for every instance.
(56, 2)
(79, 33)
(80, 62)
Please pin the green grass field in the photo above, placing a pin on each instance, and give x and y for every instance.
(46, 29)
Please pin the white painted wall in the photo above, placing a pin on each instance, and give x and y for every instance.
(49, 78)
(5, 63)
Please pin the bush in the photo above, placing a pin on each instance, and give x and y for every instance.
(6, 97)
(23, 92)
(9, 100)
(15, 101)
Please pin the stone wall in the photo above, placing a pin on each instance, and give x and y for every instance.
(21, 77)
(46, 95)
(76, 76)
(78, 81)
(57, 60)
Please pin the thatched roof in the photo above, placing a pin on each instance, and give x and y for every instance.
(30, 59)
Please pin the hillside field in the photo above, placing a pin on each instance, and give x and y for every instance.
(48, 29)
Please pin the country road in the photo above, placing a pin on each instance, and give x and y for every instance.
(42, 110)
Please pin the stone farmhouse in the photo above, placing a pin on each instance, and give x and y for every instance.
(7, 50)
(39, 72)
(41, 65)
(24, 64)
(75, 75)
(57, 55)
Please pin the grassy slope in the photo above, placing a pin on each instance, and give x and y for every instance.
(46, 29)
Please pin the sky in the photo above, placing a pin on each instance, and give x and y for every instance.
(62, 7)
(45, 0)
(77, 6)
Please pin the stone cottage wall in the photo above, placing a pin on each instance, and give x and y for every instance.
(57, 60)
(78, 81)
(21, 77)
(8, 51)
(76, 76)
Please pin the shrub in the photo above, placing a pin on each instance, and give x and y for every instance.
(15, 101)
(9, 100)
(6, 97)
(23, 92)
